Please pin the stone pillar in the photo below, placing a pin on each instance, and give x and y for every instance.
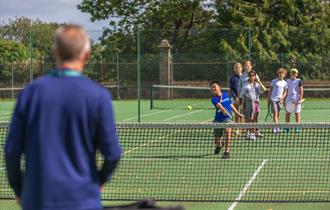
(165, 68)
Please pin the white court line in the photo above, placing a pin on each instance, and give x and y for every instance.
(181, 115)
(144, 115)
(231, 159)
(208, 120)
(247, 185)
(142, 145)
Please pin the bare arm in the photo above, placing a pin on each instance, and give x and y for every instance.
(301, 89)
(261, 85)
(285, 92)
(222, 109)
(235, 110)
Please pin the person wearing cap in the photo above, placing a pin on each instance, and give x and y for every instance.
(294, 96)
(276, 95)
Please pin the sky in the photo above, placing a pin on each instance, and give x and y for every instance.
(61, 11)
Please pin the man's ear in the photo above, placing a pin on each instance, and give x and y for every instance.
(86, 56)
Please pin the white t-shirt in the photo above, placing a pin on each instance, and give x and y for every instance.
(293, 90)
(278, 88)
(253, 91)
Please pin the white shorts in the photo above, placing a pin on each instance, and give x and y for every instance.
(291, 107)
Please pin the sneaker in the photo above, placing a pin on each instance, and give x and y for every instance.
(248, 134)
(259, 134)
(217, 150)
(237, 132)
(226, 155)
(274, 130)
(286, 130)
(297, 130)
(279, 130)
(252, 137)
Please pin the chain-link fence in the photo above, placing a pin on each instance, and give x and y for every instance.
(129, 64)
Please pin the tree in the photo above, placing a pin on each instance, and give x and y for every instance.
(282, 31)
(42, 34)
(126, 16)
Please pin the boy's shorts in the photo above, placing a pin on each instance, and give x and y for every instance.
(218, 132)
(297, 108)
(275, 106)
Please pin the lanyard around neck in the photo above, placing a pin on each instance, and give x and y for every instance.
(64, 73)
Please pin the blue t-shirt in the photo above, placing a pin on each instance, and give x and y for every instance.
(225, 102)
(59, 123)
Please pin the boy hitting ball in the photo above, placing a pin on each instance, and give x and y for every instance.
(294, 97)
(223, 114)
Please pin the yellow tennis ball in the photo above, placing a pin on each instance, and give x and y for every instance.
(189, 107)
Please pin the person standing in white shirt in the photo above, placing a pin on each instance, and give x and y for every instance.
(276, 95)
(294, 96)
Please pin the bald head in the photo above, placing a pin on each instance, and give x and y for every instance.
(71, 42)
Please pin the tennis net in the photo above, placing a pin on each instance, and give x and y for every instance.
(175, 162)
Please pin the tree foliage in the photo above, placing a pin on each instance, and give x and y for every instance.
(40, 34)
(11, 51)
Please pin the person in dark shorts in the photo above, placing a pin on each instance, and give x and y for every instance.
(276, 95)
(223, 114)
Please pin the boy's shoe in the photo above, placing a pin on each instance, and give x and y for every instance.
(259, 134)
(297, 130)
(248, 134)
(274, 130)
(253, 137)
(226, 155)
(286, 130)
(279, 130)
(217, 150)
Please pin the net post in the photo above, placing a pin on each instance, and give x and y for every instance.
(152, 97)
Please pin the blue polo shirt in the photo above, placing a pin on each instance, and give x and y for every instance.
(225, 102)
(59, 123)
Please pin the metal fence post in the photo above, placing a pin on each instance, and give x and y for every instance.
(138, 75)
(118, 81)
(30, 49)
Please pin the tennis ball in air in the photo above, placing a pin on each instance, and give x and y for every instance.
(189, 107)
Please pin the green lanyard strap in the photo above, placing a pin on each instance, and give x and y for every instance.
(64, 73)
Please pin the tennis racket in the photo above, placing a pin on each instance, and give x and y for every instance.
(291, 107)
(269, 116)
(228, 113)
